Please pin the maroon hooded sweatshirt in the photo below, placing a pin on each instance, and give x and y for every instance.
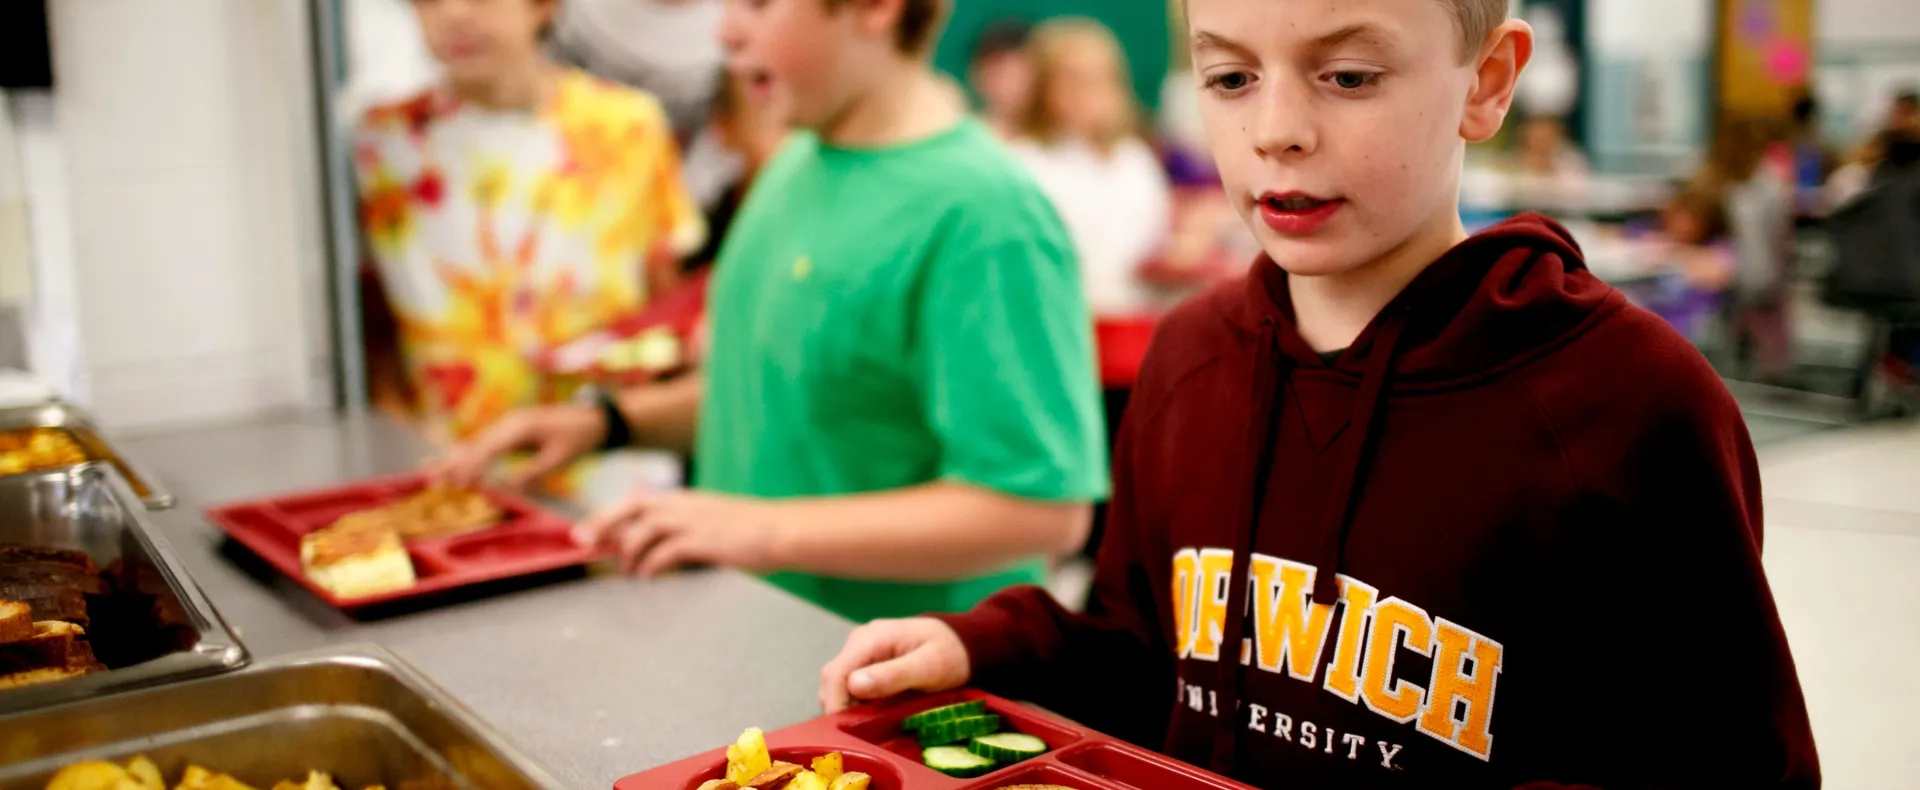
(1511, 536)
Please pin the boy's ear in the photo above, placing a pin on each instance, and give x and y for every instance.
(877, 17)
(1496, 73)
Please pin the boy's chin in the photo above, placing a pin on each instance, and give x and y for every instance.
(1314, 257)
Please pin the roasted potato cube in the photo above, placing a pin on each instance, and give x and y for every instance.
(90, 775)
(719, 784)
(315, 781)
(807, 780)
(145, 774)
(775, 777)
(747, 758)
(197, 778)
(852, 780)
(828, 766)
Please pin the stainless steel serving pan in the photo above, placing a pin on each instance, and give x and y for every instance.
(158, 623)
(75, 420)
(357, 713)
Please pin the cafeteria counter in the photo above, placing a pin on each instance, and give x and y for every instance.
(594, 678)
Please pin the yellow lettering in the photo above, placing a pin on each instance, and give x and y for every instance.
(1186, 586)
(1343, 674)
(1285, 627)
(1395, 623)
(1210, 604)
(1452, 682)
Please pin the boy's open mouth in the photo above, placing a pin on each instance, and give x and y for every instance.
(1293, 202)
(1297, 213)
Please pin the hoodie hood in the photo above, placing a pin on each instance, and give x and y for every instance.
(1510, 293)
(1488, 305)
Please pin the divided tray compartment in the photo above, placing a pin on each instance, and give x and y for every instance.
(526, 547)
(871, 739)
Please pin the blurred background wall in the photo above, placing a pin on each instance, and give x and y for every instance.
(177, 233)
(1141, 26)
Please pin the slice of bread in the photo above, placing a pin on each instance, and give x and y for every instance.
(16, 621)
(34, 677)
(69, 606)
(49, 575)
(54, 644)
(444, 511)
(357, 559)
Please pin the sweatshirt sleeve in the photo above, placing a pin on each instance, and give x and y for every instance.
(1110, 668)
(1680, 670)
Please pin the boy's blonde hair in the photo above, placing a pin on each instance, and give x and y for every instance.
(1473, 21)
(1049, 45)
(920, 23)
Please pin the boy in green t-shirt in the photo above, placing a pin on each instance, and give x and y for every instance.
(898, 410)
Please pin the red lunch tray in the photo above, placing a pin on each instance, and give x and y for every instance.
(527, 541)
(872, 742)
(1122, 345)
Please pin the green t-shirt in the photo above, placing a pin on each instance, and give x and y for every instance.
(884, 318)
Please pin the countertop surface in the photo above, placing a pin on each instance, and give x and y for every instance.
(595, 677)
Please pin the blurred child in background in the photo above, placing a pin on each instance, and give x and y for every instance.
(1699, 261)
(664, 47)
(1750, 174)
(1080, 137)
(1812, 163)
(512, 209)
(1903, 117)
(1695, 225)
(1549, 173)
(1545, 150)
(1002, 75)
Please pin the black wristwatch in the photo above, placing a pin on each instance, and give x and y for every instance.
(619, 433)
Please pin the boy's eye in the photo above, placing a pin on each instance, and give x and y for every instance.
(1352, 80)
(1230, 81)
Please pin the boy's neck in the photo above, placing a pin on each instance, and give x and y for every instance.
(914, 104)
(524, 88)
(1331, 311)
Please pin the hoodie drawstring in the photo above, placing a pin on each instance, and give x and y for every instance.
(1257, 460)
(1367, 411)
(1270, 370)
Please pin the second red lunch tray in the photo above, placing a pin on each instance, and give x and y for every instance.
(528, 540)
(872, 743)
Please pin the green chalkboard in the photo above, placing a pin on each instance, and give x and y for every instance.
(1140, 24)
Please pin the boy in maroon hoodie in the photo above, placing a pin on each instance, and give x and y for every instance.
(1401, 507)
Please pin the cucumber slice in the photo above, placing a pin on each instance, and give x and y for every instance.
(945, 713)
(956, 761)
(958, 730)
(1007, 747)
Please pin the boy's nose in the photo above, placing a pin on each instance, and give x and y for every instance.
(1285, 123)
(731, 34)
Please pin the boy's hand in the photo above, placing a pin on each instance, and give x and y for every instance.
(555, 434)
(656, 531)
(888, 657)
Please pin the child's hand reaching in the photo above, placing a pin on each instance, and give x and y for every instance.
(888, 657)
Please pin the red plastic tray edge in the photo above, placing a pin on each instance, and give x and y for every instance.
(831, 733)
(286, 558)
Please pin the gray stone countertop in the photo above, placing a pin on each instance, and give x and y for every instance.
(594, 677)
